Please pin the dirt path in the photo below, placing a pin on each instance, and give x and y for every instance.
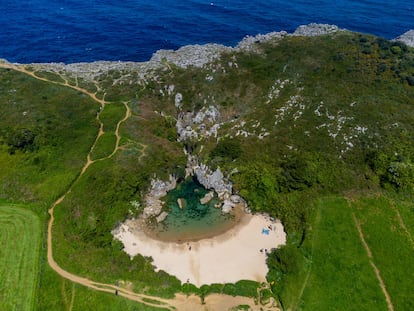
(214, 302)
(402, 224)
(371, 260)
(22, 69)
(118, 137)
(143, 154)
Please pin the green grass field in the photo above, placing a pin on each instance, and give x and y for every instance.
(338, 268)
(19, 257)
(390, 244)
(341, 277)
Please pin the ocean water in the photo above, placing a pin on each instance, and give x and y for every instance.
(132, 30)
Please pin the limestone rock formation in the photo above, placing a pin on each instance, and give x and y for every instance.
(314, 29)
(192, 125)
(248, 43)
(159, 189)
(161, 217)
(190, 55)
(207, 198)
(407, 38)
(228, 205)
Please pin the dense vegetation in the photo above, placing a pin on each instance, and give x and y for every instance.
(301, 119)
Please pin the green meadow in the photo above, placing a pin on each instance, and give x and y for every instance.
(335, 271)
(20, 240)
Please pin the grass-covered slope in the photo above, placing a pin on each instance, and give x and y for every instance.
(299, 119)
(46, 131)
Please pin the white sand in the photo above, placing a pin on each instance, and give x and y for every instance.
(226, 258)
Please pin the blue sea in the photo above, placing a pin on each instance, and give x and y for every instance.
(132, 30)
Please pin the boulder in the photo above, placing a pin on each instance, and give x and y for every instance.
(227, 206)
(161, 217)
(207, 198)
(181, 203)
(236, 199)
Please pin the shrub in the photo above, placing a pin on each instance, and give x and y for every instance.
(227, 148)
(22, 139)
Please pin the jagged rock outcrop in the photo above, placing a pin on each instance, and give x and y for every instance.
(228, 205)
(186, 56)
(249, 42)
(190, 55)
(159, 189)
(407, 38)
(213, 180)
(192, 125)
(314, 29)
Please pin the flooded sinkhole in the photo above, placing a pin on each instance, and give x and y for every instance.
(193, 220)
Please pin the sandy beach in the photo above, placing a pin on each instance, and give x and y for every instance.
(238, 254)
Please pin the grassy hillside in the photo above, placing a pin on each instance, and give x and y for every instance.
(300, 120)
(46, 131)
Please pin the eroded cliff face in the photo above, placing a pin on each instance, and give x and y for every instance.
(215, 180)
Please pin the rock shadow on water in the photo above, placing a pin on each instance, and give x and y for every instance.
(188, 218)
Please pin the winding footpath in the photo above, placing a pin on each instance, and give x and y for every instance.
(181, 302)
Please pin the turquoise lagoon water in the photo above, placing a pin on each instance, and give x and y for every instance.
(194, 221)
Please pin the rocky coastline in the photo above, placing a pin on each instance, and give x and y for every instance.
(190, 125)
(407, 38)
(190, 55)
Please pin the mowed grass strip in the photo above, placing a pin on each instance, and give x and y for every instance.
(391, 248)
(341, 276)
(19, 256)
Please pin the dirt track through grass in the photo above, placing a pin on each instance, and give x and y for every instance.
(341, 275)
(402, 224)
(376, 270)
(19, 253)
